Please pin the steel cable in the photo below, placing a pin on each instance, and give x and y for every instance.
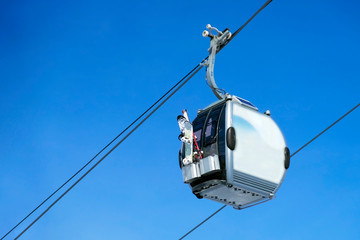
(96, 155)
(112, 149)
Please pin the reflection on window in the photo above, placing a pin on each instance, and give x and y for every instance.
(210, 129)
(221, 137)
(198, 125)
(198, 136)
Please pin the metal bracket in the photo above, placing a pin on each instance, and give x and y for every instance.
(216, 42)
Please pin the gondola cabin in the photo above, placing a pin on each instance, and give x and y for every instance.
(241, 157)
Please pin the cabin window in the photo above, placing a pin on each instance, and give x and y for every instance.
(221, 138)
(211, 126)
(198, 125)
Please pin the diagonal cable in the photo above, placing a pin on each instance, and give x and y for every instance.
(193, 229)
(203, 222)
(111, 150)
(246, 23)
(321, 133)
(96, 155)
(297, 151)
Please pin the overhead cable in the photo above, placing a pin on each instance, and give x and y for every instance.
(83, 167)
(203, 222)
(96, 155)
(325, 130)
(184, 80)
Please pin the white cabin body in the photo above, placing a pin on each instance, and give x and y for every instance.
(244, 154)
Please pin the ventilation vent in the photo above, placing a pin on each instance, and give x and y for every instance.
(254, 182)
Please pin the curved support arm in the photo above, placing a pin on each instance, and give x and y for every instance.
(210, 72)
(216, 42)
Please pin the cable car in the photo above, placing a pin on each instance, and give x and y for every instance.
(239, 155)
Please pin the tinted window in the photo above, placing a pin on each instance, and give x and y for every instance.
(198, 125)
(221, 139)
(211, 126)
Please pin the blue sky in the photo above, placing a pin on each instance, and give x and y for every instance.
(75, 73)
